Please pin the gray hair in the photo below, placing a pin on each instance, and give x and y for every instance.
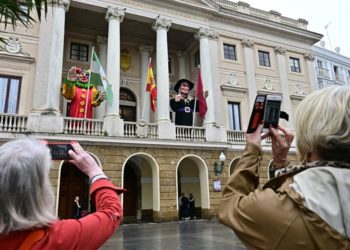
(322, 124)
(26, 195)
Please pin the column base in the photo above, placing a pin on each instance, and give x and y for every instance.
(215, 133)
(166, 130)
(113, 125)
(46, 121)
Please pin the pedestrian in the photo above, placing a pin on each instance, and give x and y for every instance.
(76, 208)
(184, 206)
(27, 201)
(180, 206)
(305, 206)
(191, 206)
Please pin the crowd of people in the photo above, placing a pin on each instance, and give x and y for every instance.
(187, 207)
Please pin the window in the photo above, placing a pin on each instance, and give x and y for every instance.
(230, 52)
(23, 8)
(10, 87)
(79, 52)
(234, 116)
(294, 64)
(197, 59)
(264, 58)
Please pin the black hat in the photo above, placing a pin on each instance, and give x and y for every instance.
(178, 84)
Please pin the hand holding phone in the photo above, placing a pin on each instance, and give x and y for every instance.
(59, 150)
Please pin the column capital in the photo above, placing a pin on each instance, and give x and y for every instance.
(280, 50)
(205, 32)
(161, 23)
(101, 40)
(114, 13)
(63, 4)
(145, 49)
(309, 57)
(247, 43)
(180, 54)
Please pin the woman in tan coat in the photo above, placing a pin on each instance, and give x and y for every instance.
(305, 206)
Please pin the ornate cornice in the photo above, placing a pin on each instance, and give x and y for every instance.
(205, 32)
(161, 23)
(247, 43)
(101, 40)
(62, 4)
(309, 57)
(146, 49)
(114, 13)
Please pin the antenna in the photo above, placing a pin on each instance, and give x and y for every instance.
(329, 39)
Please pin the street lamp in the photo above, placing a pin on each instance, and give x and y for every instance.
(217, 169)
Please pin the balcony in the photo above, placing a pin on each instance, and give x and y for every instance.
(340, 78)
(323, 72)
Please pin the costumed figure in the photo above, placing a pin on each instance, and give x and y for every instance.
(183, 104)
(83, 95)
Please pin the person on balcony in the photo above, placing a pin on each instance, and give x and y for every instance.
(183, 104)
(305, 206)
(81, 92)
(27, 201)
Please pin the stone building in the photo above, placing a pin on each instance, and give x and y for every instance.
(242, 51)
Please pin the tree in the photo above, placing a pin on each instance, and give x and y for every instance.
(14, 11)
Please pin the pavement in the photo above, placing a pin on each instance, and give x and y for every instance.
(189, 234)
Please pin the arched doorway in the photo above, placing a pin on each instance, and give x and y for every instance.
(72, 183)
(127, 107)
(192, 177)
(141, 179)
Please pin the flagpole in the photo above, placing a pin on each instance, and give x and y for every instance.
(195, 101)
(144, 99)
(88, 86)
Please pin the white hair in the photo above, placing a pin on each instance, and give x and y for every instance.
(322, 124)
(26, 195)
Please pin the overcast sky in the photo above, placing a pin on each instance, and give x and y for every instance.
(318, 13)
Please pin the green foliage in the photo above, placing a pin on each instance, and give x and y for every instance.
(218, 169)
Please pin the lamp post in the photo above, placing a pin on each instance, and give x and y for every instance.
(217, 171)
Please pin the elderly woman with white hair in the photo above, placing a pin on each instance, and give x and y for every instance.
(306, 206)
(27, 217)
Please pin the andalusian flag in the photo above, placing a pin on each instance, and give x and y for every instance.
(151, 86)
(98, 77)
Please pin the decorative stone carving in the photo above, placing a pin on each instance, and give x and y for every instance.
(13, 46)
(247, 43)
(161, 23)
(115, 13)
(181, 54)
(63, 4)
(309, 57)
(299, 89)
(268, 85)
(142, 129)
(125, 60)
(280, 50)
(232, 80)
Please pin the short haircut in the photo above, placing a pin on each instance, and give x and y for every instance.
(26, 195)
(322, 124)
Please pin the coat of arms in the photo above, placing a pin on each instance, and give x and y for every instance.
(125, 60)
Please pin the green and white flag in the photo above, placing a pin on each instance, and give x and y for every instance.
(99, 78)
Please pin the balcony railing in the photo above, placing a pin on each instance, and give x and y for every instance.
(323, 72)
(81, 126)
(340, 78)
(236, 137)
(13, 123)
(185, 133)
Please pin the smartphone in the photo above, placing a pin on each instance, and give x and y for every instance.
(59, 150)
(267, 108)
(272, 111)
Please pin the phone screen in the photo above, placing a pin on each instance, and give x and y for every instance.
(257, 113)
(272, 113)
(59, 151)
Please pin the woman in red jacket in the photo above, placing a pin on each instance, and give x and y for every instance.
(27, 216)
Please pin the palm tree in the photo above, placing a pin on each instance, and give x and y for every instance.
(14, 11)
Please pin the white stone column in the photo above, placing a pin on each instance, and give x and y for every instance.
(48, 76)
(166, 129)
(112, 124)
(282, 69)
(203, 35)
(182, 64)
(309, 58)
(145, 51)
(100, 111)
(250, 69)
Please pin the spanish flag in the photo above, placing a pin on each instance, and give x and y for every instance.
(151, 86)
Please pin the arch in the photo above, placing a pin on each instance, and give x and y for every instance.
(233, 164)
(203, 179)
(59, 178)
(137, 159)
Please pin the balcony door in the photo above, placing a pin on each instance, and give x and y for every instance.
(127, 108)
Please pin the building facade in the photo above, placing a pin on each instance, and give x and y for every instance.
(241, 50)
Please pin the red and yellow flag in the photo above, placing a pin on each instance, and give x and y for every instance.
(151, 86)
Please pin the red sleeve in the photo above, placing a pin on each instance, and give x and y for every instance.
(93, 230)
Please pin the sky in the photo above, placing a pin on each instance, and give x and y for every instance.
(319, 14)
